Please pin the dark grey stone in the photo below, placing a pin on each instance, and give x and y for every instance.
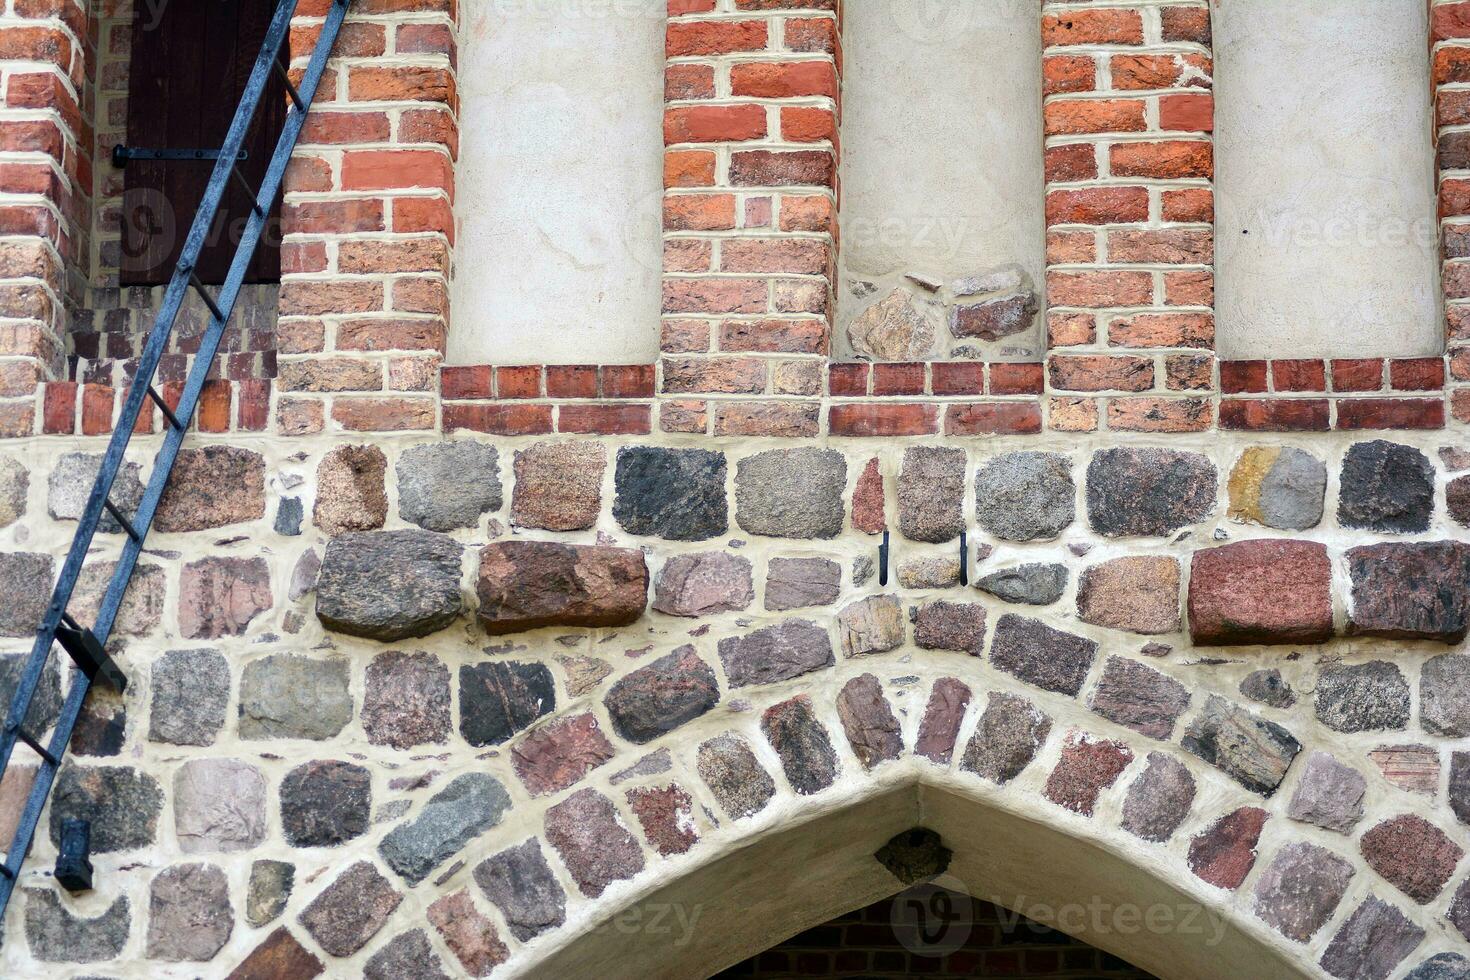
(776, 653)
(1032, 584)
(737, 780)
(325, 803)
(520, 883)
(654, 700)
(269, 890)
(675, 494)
(1254, 752)
(791, 493)
(1386, 487)
(931, 493)
(796, 583)
(1040, 655)
(1006, 739)
(25, 581)
(1159, 799)
(407, 957)
(122, 803)
(191, 689)
(499, 698)
(55, 935)
(1268, 687)
(449, 485)
(46, 703)
(1363, 697)
(289, 515)
(1411, 590)
(1293, 491)
(288, 696)
(1148, 492)
(1026, 496)
(1442, 966)
(1371, 943)
(389, 585)
(460, 812)
(806, 752)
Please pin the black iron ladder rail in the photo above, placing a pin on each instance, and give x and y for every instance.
(87, 647)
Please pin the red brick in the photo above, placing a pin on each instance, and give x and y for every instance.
(1070, 329)
(784, 80)
(689, 168)
(1098, 289)
(885, 419)
(627, 381)
(1166, 160)
(684, 39)
(1086, 116)
(1191, 204)
(1299, 375)
(97, 404)
(1364, 374)
(1390, 413)
(1166, 246)
(1187, 24)
(605, 419)
(805, 124)
(714, 124)
(683, 82)
(1097, 206)
(254, 396)
(1189, 288)
(1275, 414)
(502, 420)
(384, 414)
(1071, 161)
(1073, 415)
(213, 413)
(1071, 247)
(392, 169)
(786, 256)
(518, 382)
(898, 379)
(401, 83)
(714, 375)
(59, 408)
(1417, 374)
(1092, 27)
(953, 378)
(812, 35)
(847, 380)
(1017, 378)
(1159, 414)
(1061, 74)
(774, 336)
(993, 419)
(775, 419)
(714, 296)
(1187, 113)
(1078, 372)
(1163, 330)
(776, 168)
(571, 381)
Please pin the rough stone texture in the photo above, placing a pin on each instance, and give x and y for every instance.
(289, 516)
(525, 585)
(676, 494)
(1265, 591)
(955, 626)
(1006, 739)
(798, 583)
(55, 935)
(70, 484)
(350, 491)
(470, 805)
(1139, 594)
(653, 764)
(1371, 943)
(304, 575)
(498, 699)
(1413, 855)
(190, 690)
(269, 890)
(558, 485)
(593, 843)
(666, 814)
(583, 674)
(560, 753)
(894, 329)
(1148, 492)
(1441, 966)
(868, 721)
(869, 501)
(1459, 911)
(520, 883)
(408, 957)
(994, 319)
(654, 700)
(189, 913)
(1457, 500)
(122, 803)
(1413, 768)
(15, 483)
(1362, 697)
(1224, 853)
(1026, 496)
(1417, 591)
(25, 603)
(325, 803)
(278, 957)
(449, 485)
(1278, 487)
(406, 701)
(1032, 584)
(470, 936)
(1088, 766)
(219, 806)
(1254, 752)
(704, 585)
(1444, 695)
(220, 596)
(929, 572)
(46, 702)
(1329, 794)
(776, 653)
(286, 696)
(143, 601)
(931, 493)
(1159, 799)
(1459, 785)
(806, 753)
(212, 487)
(1387, 488)
(791, 493)
(737, 781)
(944, 714)
(389, 585)
(1268, 687)
(1298, 892)
(1040, 655)
(351, 910)
(871, 625)
(1138, 697)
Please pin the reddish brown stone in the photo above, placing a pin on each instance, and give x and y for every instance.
(212, 487)
(1414, 855)
(1411, 591)
(468, 934)
(1139, 594)
(280, 957)
(1267, 591)
(555, 756)
(868, 500)
(866, 717)
(350, 494)
(1087, 767)
(667, 817)
(594, 845)
(220, 596)
(941, 725)
(558, 485)
(1225, 852)
(351, 910)
(525, 585)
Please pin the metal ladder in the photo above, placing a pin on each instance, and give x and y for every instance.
(87, 647)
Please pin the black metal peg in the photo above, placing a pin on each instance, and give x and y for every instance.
(964, 559)
(883, 560)
(74, 863)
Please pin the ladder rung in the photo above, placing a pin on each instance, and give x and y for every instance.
(290, 89)
(245, 186)
(204, 295)
(40, 749)
(117, 515)
(168, 413)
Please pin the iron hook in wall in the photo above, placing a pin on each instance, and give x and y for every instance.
(883, 560)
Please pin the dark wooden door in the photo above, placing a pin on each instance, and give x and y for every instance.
(188, 71)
